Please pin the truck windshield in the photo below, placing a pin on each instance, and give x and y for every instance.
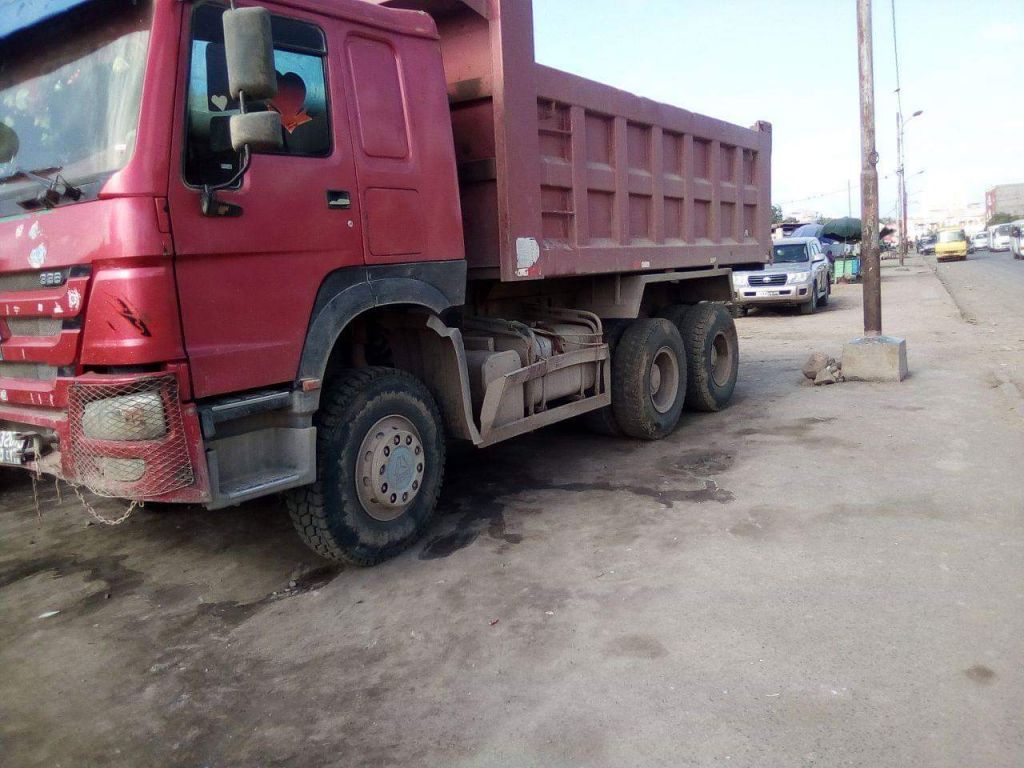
(70, 88)
(952, 237)
(793, 253)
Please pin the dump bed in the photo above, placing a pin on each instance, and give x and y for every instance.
(562, 176)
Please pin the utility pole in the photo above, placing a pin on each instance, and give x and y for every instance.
(870, 260)
(901, 187)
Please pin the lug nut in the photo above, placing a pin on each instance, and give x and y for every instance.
(405, 496)
(415, 485)
(398, 440)
(394, 498)
(419, 467)
(384, 488)
(408, 440)
(387, 451)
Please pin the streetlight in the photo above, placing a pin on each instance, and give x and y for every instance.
(901, 125)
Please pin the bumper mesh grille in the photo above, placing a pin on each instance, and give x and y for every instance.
(128, 468)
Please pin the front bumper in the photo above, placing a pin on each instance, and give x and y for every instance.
(749, 296)
(170, 467)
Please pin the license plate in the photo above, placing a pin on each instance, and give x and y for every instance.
(12, 447)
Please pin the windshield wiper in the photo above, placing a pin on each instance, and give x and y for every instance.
(55, 189)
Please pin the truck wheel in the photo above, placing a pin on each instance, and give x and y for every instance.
(712, 356)
(380, 463)
(808, 307)
(602, 421)
(649, 379)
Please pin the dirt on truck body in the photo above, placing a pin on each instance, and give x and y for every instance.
(371, 227)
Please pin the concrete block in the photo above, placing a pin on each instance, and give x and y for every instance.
(875, 358)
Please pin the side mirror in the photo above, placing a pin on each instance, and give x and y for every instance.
(257, 131)
(249, 51)
(9, 143)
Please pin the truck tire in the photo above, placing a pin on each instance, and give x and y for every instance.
(602, 421)
(649, 379)
(380, 465)
(712, 356)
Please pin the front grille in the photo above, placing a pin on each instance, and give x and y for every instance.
(35, 326)
(34, 371)
(759, 280)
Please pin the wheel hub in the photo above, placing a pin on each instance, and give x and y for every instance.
(664, 380)
(390, 466)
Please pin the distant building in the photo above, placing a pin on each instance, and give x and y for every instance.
(971, 219)
(1005, 198)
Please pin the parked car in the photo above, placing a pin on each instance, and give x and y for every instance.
(951, 245)
(1017, 239)
(799, 276)
(999, 237)
(980, 240)
(927, 244)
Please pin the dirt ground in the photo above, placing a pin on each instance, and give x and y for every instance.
(817, 576)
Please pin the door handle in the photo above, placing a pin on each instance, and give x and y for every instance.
(339, 200)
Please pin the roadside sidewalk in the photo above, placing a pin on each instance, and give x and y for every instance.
(815, 576)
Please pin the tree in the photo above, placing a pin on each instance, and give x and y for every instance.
(1000, 218)
(888, 221)
(776, 214)
(791, 220)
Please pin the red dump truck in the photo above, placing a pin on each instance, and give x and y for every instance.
(296, 246)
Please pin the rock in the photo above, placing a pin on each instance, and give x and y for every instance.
(825, 376)
(815, 363)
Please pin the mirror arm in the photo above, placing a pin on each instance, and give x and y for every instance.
(208, 197)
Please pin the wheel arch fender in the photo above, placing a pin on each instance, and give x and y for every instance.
(344, 296)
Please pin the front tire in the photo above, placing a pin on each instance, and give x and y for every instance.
(808, 307)
(823, 299)
(380, 465)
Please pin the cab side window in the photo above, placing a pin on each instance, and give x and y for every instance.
(301, 100)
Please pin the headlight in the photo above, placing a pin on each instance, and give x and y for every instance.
(738, 279)
(128, 417)
(799, 277)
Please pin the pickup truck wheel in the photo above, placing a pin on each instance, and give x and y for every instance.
(808, 307)
(649, 379)
(602, 421)
(713, 356)
(380, 464)
(823, 299)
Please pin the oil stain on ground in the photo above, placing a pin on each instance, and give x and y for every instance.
(476, 496)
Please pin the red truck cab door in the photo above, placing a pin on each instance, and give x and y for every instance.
(247, 282)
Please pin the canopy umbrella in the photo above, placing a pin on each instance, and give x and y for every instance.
(846, 229)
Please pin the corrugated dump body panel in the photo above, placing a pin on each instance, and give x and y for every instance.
(561, 176)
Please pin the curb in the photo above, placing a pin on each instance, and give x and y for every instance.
(966, 316)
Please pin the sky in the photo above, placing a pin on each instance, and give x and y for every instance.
(794, 64)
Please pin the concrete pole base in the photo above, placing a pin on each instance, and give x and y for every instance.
(875, 358)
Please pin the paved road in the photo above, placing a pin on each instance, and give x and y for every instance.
(989, 290)
(818, 576)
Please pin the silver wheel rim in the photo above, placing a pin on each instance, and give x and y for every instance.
(389, 468)
(721, 360)
(664, 380)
